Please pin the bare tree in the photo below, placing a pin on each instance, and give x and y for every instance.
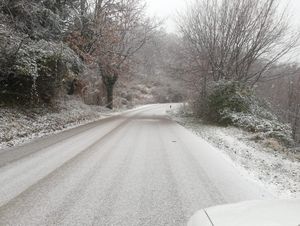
(236, 40)
(120, 30)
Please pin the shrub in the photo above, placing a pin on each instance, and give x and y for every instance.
(36, 71)
(226, 96)
(34, 63)
(230, 103)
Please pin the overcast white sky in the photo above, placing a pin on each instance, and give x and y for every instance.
(167, 9)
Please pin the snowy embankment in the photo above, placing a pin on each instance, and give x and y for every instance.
(277, 171)
(20, 125)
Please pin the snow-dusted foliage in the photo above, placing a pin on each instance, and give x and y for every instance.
(37, 70)
(269, 127)
(47, 19)
(33, 67)
(227, 96)
(231, 103)
(34, 56)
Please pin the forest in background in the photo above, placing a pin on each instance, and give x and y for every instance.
(52, 48)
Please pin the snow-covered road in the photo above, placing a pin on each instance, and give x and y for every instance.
(136, 168)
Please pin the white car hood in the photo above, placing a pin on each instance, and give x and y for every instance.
(251, 213)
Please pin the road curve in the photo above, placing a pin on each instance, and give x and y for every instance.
(137, 168)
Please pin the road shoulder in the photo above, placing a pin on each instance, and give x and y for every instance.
(274, 170)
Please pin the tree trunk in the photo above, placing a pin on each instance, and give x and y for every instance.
(109, 82)
(110, 96)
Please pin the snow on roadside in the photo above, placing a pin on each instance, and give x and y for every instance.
(275, 170)
(18, 126)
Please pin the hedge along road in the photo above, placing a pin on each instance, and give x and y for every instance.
(137, 168)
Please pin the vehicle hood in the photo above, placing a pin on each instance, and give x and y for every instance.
(251, 213)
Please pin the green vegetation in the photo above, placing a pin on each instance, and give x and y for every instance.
(230, 103)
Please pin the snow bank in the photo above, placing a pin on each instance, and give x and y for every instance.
(19, 125)
(262, 160)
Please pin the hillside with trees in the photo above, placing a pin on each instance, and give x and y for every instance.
(51, 48)
(232, 57)
(227, 60)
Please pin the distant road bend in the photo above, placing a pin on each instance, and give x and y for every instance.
(136, 168)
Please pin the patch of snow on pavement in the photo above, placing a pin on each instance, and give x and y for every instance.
(277, 171)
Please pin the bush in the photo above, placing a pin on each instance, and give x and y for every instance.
(35, 66)
(36, 71)
(230, 103)
(225, 97)
(37, 19)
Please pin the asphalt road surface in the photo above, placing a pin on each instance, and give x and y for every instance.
(136, 168)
